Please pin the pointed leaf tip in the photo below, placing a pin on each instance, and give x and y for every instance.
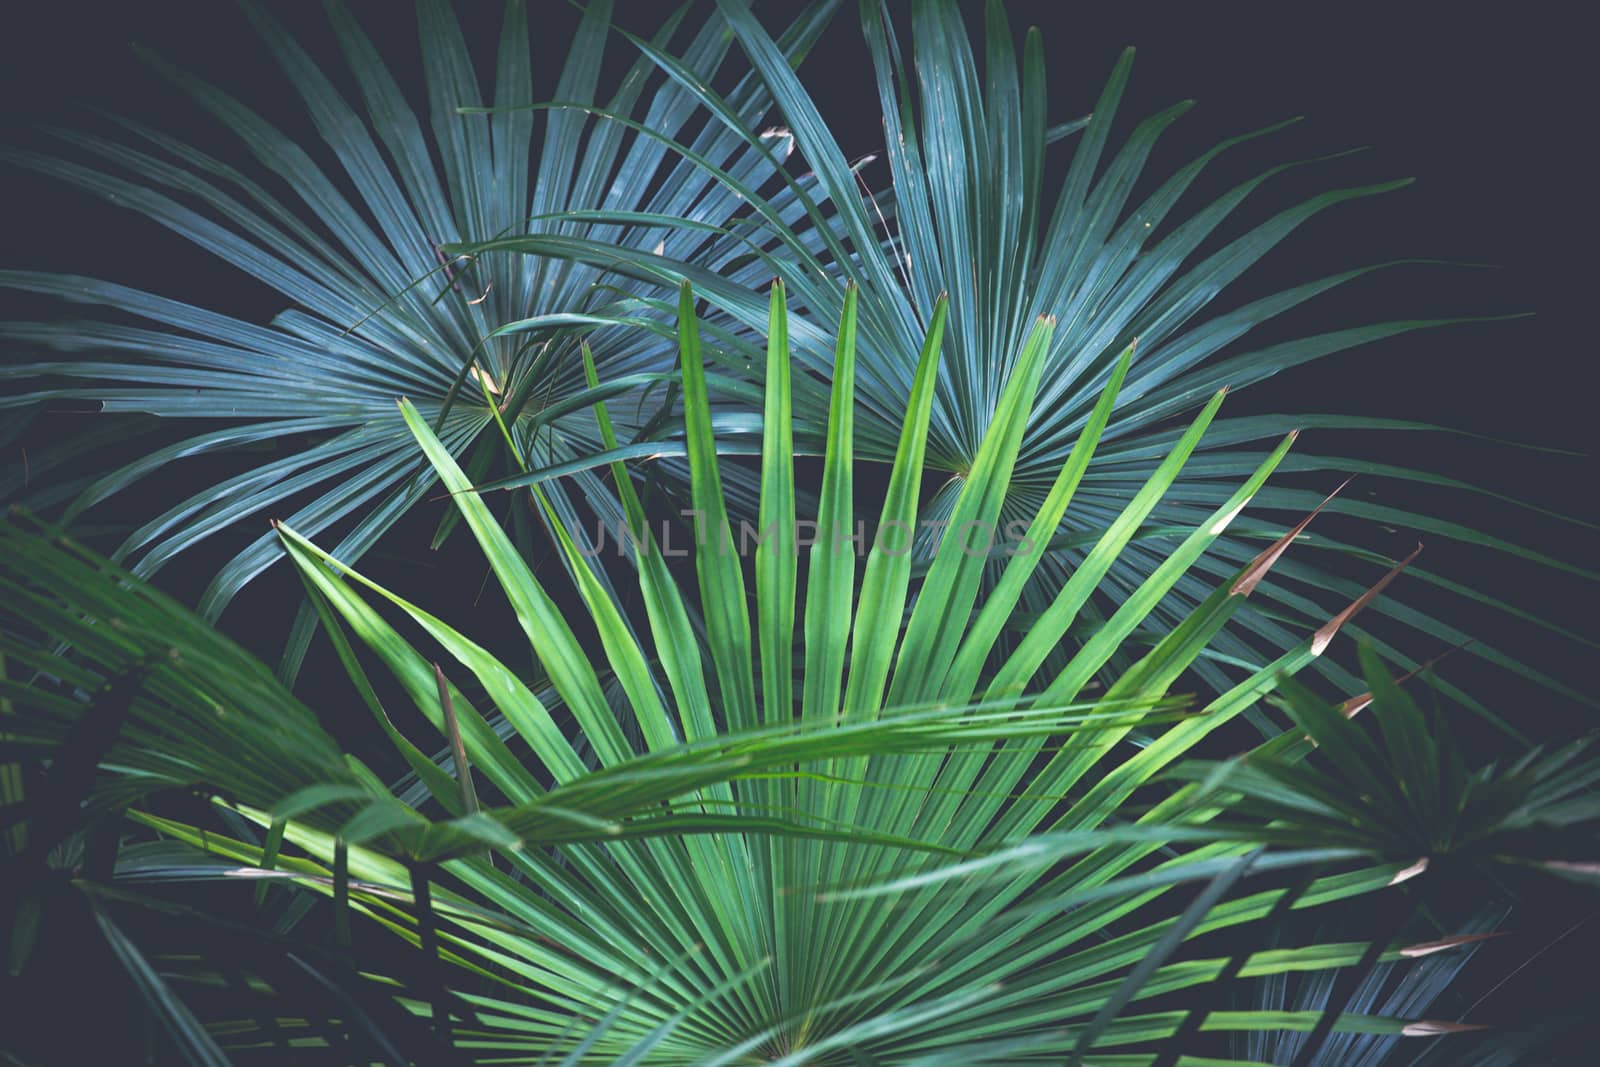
(1435, 1027)
(1320, 640)
(1582, 867)
(1428, 948)
(1354, 705)
(1410, 872)
(1258, 567)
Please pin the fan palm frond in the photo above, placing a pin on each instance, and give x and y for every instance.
(925, 963)
(968, 217)
(376, 309)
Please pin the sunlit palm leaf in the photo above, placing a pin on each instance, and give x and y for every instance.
(141, 698)
(850, 972)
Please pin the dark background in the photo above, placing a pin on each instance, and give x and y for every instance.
(1491, 113)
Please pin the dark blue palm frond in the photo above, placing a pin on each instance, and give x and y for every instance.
(376, 309)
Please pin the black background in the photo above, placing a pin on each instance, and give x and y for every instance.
(1490, 111)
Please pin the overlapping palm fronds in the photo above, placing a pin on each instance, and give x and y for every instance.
(130, 699)
(870, 797)
(1410, 986)
(754, 883)
(376, 310)
(1410, 791)
(969, 213)
(1471, 837)
(1016, 966)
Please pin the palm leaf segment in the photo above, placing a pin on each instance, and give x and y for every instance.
(968, 214)
(805, 967)
(375, 312)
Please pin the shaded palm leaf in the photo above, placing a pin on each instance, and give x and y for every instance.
(376, 310)
(1408, 986)
(1410, 793)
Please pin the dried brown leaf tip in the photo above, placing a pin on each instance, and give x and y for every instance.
(1258, 567)
(1320, 640)
(1428, 948)
(1356, 704)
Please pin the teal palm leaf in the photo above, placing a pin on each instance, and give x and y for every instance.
(968, 215)
(375, 309)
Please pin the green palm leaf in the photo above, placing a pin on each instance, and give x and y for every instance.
(845, 972)
(763, 873)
